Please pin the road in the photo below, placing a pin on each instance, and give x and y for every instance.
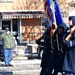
(21, 67)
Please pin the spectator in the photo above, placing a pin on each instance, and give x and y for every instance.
(8, 46)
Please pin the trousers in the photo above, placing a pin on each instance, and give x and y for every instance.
(7, 56)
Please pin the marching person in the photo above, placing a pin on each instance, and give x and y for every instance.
(56, 58)
(59, 50)
(69, 42)
(46, 51)
(8, 46)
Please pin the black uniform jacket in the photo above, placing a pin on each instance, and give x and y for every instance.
(46, 50)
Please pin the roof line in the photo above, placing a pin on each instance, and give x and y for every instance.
(20, 10)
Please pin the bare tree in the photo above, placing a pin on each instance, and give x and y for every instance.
(39, 5)
(28, 5)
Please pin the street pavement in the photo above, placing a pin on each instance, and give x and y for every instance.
(21, 67)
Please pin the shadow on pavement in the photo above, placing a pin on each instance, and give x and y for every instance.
(32, 56)
(6, 73)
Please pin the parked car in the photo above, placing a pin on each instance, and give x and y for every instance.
(15, 52)
(40, 48)
(34, 50)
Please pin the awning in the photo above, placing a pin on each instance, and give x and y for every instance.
(21, 15)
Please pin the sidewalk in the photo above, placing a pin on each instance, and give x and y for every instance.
(21, 67)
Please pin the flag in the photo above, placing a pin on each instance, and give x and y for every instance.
(58, 14)
(49, 9)
(54, 14)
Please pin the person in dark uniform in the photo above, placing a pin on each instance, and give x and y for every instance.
(46, 52)
(57, 56)
(69, 42)
(58, 46)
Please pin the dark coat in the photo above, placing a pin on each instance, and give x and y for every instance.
(59, 53)
(46, 50)
(55, 59)
(69, 60)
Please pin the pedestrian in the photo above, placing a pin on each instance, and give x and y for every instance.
(69, 42)
(59, 49)
(8, 46)
(47, 50)
(56, 56)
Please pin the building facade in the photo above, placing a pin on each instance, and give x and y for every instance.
(26, 26)
(24, 18)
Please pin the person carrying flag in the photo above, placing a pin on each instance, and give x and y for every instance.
(59, 50)
(48, 49)
(55, 18)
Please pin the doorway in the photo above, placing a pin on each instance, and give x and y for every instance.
(15, 27)
(6, 24)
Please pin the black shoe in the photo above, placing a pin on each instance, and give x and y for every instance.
(6, 65)
(10, 65)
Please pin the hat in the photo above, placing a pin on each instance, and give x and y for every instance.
(64, 26)
(73, 19)
(7, 29)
